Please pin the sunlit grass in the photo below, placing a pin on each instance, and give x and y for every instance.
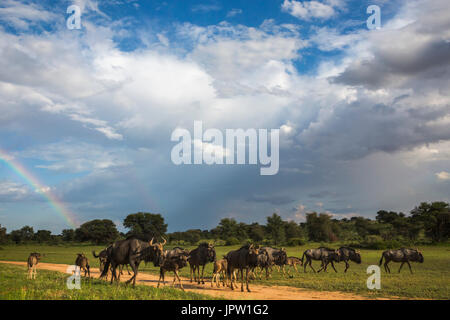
(51, 285)
(430, 279)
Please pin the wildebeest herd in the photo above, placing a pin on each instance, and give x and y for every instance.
(248, 262)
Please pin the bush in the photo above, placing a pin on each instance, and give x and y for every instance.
(232, 241)
(296, 242)
(377, 243)
(220, 243)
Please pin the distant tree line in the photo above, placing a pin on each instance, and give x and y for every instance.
(428, 222)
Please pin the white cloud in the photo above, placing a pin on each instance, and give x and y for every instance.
(73, 156)
(306, 10)
(443, 175)
(21, 15)
(233, 12)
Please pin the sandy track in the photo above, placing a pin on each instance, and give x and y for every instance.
(260, 292)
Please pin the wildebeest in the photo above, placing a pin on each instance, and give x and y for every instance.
(33, 260)
(83, 262)
(261, 262)
(277, 257)
(401, 255)
(293, 262)
(102, 258)
(220, 269)
(173, 261)
(241, 259)
(200, 256)
(326, 255)
(132, 251)
(347, 253)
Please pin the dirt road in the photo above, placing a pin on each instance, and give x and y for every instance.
(260, 292)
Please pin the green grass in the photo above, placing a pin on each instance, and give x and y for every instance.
(51, 285)
(430, 280)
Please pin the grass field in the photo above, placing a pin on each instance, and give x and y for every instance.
(430, 280)
(51, 285)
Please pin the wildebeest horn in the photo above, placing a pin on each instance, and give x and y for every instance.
(165, 241)
(151, 242)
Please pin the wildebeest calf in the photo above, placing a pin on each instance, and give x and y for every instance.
(293, 262)
(401, 255)
(220, 269)
(83, 262)
(173, 263)
(33, 260)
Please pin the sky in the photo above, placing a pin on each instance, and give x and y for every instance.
(86, 115)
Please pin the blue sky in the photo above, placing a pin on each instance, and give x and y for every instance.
(363, 114)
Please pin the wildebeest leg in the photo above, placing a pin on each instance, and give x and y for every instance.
(410, 270)
(179, 280)
(401, 267)
(231, 273)
(246, 279)
(242, 279)
(191, 268)
(113, 272)
(310, 265)
(332, 264)
(161, 276)
(135, 271)
(387, 267)
(203, 269)
(346, 266)
(323, 267)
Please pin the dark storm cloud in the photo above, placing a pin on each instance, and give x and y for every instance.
(417, 50)
(272, 199)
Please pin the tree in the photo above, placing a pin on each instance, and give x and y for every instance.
(227, 228)
(23, 235)
(319, 227)
(256, 232)
(3, 236)
(435, 218)
(275, 229)
(43, 236)
(68, 235)
(293, 230)
(192, 236)
(98, 231)
(145, 225)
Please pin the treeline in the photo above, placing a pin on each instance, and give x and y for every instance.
(426, 223)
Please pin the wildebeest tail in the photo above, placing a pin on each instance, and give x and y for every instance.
(93, 253)
(381, 260)
(303, 256)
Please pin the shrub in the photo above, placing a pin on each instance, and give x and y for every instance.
(232, 241)
(296, 242)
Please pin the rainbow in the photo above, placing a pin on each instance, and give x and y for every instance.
(31, 180)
